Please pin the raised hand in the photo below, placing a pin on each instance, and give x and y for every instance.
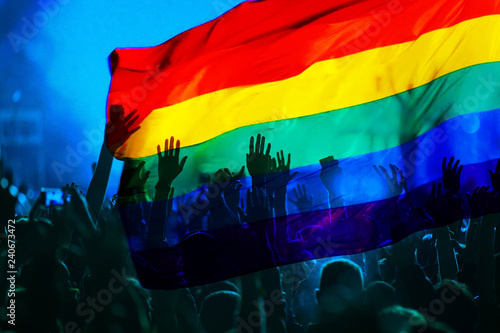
(225, 176)
(258, 161)
(169, 166)
(495, 177)
(478, 201)
(258, 207)
(435, 201)
(493, 203)
(230, 186)
(213, 192)
(119, 128)
(273, 178)
(223, 197)
(192, 210)
(443, 208)
(451, 175)
(331, 176)
(279, 173)
(284, 168)
(133, 180)
(303, 201)
(395, 187)
(77, 210)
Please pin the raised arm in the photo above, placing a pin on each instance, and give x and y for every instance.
(444, 210)
(258, 160)
(169, 167)
(331, 176)
(99, 182)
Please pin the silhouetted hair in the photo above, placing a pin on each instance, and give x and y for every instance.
(379, 295)
(218, 311)
(396, 319)
(341, 288)
(215, 287)
(459, 309)
(343, 272)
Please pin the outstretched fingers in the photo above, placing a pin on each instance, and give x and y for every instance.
(183, 161)
(240, 173)
(394, 172)
(450, 164)
(131, 118)
(384, 171)
(166, 148)
(378, 171)
(158, 152)
(251, 147)
(455, 167)
(171, 148)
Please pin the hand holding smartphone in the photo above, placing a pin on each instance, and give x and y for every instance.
(53, 197)
(328, 161)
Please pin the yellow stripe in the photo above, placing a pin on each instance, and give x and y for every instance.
(327, 85)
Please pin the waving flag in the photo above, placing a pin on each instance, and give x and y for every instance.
(373, 82)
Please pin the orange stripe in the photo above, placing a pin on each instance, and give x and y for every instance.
(259, 42)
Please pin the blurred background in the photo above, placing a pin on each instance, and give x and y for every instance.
(55, 77)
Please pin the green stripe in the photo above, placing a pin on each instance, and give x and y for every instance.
(352, 131)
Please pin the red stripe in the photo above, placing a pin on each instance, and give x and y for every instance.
(265, 41)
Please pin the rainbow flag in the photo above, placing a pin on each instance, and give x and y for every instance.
(372, 82)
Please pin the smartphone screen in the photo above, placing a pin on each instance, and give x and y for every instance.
(54, 197)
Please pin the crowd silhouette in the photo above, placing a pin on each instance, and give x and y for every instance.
(232, 256)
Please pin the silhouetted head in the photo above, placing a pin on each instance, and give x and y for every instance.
(341, 287)
(396, 319)
(455, 306)
(126, 307)
(194, 248)
(379, 295)
(46, 272)
(218, 311)
(413, 288)
(208, 289)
